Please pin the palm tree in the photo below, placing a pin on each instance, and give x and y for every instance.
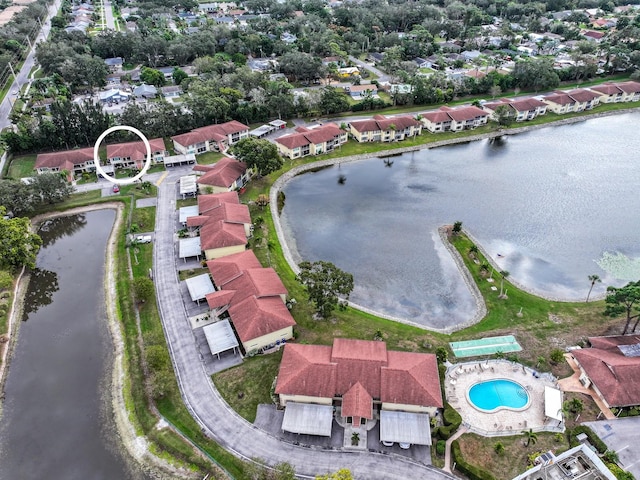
(532, 437)
(593, 279)
(504, 274)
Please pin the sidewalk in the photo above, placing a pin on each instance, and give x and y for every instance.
(447, 452)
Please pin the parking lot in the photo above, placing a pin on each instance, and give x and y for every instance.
(621, 435)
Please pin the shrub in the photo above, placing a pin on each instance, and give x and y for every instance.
(499, 448)
(441, 445)
(452, 421)
(593, 438)
(556, 356)
(6, 280)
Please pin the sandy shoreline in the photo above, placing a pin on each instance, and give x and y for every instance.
(135, 446)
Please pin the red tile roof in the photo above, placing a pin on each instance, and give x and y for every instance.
(363, 88)
(380, 122)
(223, 173)
(629, 87)
(227, 268)
(466, 113)
(219, 298)
(411, 379)
(583, 95)
(357, 402)
(307, 136)
(394, 377)
(255, 317)
(135, 150)
(64, 160)
(606, 89)
(222, 234)
(210, 132)
(307, 370)
(213, 200)
(560, 99)
(227, 212)
(437, 116)
(259, 282)
(616, 376)
(526, 104)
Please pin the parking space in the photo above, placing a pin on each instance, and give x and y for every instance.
(211, 362)
(620, 435)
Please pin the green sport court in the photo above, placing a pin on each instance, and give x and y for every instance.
(485, 346)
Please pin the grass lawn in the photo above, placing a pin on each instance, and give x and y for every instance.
(22, 166)
(186, 202)
(249, 384)
(194, 272)
(480, 451)
(208, 158)
(145, 218)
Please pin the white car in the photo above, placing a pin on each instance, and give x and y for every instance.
(16, 92)
(143, 239)
(404, 446)
(387, 444)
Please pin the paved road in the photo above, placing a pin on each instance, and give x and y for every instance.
(621, 435)
(108, 15)
(10, 98)
(211, 411)
(382, 77)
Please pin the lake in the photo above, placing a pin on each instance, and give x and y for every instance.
(57, 417)
(551, 206)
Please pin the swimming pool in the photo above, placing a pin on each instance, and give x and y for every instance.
(493, 395)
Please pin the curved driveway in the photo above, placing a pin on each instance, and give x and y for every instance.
(206, 405)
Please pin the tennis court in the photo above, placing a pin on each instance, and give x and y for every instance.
(485, 346)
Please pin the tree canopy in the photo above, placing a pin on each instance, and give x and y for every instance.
(624, 301)
(18, 245)
(342, 474)
(326, 285)
(260, 154)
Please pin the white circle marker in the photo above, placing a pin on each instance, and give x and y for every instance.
(96, 157)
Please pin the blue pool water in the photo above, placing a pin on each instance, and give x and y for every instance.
(495, 394)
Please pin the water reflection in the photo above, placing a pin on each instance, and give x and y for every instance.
(42, 285)
(52, 229)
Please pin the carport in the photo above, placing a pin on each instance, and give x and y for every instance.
(199, 287)
(188, 185)
(189, 247)
(405, 427)
(553, 403)
(186, 212)
(220, 337)
(308, 418)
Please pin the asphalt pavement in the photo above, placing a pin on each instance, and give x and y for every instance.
(620, 435)
(215, 417)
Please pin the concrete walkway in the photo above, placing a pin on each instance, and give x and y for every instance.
(447, 452)
(573, 384)
(212, 413)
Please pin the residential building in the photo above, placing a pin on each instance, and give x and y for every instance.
(577, 462)
(454, 119)
(145, 91)
(254, 298)
(71, 161)
(210, 138)
(225, 175)
(134, 154)
(362, 380)
(235, 213)
(609, 93)
(611, 367)
(311, 141)
(359, 92)
(631, 91)
(385, 129)
(523, 109)
(560, 102)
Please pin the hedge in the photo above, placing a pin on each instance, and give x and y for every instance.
(593, 438)
(452, 421)
(471, 471)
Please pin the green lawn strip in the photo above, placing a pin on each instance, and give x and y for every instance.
(21, 167)
(186, 202)
(208, 158)
(247, 385)
(194, 272)
(171, 405)
(7, 281)
(480, 452)
(144, 218)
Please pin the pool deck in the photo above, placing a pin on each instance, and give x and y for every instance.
(461, 377)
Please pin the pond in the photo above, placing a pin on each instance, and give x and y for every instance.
(550, 206)
(57, 416)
